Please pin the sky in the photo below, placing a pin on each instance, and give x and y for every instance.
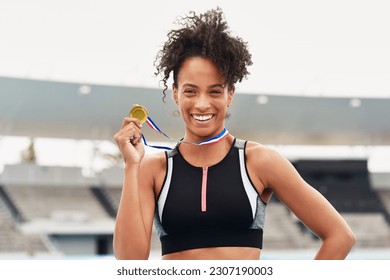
(301, 47)
(305, 47)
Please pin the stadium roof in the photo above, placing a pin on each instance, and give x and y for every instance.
(320, 72)
(70, 110)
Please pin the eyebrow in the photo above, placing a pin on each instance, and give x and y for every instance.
(211, 86)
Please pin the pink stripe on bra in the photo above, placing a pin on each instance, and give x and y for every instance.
(204, 189)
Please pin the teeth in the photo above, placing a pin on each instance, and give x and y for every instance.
(202, 117)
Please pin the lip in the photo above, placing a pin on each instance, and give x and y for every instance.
(202, 117)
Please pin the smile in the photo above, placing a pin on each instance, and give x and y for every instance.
(202, 117)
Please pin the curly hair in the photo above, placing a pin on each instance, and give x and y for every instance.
(205, 35)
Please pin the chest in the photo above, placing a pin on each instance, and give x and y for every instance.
(206, 198)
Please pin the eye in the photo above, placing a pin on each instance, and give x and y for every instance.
(215, 92)
(189, 91)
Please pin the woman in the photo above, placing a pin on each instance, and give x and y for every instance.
(208, 201)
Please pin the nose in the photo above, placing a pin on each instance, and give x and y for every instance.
(202, 102)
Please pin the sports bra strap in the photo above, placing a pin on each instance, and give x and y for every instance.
(173, 152)
(239, 143)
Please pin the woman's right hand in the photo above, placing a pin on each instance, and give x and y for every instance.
(128, 139)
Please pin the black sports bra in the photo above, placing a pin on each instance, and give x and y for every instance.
(214, 206)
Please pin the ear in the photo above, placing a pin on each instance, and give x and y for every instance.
(175, 94)
(230, 96)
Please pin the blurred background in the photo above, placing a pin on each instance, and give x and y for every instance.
(318, 92)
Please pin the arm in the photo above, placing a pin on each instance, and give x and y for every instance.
(133, 226)
(279, 175)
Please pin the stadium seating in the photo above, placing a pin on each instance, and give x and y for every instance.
(44, 207)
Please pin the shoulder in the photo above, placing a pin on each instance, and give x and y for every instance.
(261, 153)
(152, 171)
(269, 163)
(153, 167)
(154, 160)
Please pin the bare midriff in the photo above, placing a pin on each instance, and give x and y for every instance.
(216, 253)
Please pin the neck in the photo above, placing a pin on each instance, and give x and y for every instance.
(208, 154)
(211, 140)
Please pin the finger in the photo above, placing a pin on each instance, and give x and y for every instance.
(130, 130)
(127, 120)
(136, 138)
(128, 134)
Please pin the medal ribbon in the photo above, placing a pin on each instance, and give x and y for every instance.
(211, 140)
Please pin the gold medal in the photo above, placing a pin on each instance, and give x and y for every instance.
(139, 112)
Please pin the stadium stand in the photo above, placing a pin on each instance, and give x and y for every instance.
(384, 195)
(58, 211)
(283, 230)
(58, 205)
(44, 202)
(12, 240)
(348, 187)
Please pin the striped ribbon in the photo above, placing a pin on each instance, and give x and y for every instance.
(211, 140)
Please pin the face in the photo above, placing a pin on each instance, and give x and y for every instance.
(202, 97)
